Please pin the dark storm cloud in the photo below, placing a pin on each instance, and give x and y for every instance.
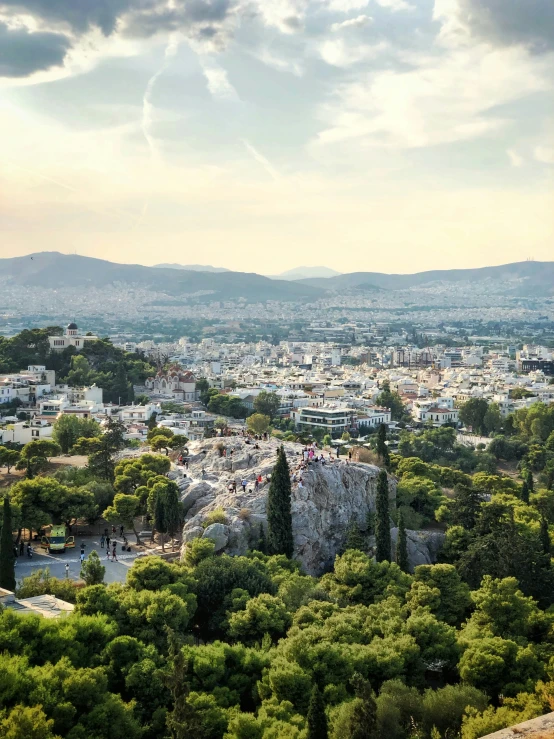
(196, 17)
(145, 17)
(22, 53)
(79, 14)
(505, 22)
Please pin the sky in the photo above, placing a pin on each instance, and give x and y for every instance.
(259, 135)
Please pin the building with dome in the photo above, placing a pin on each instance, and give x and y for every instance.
(175, 382)
(71, 337)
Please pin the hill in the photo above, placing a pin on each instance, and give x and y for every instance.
(536, 278)
(192, 267)
(52, 269)
(302, 273)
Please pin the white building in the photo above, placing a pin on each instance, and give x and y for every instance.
(373, 417)
(176, 382)
(331, 419)
(71, 337)
(25, 431)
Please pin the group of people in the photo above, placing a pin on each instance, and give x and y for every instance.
(107, 540)
(20, 551)
(258, 481)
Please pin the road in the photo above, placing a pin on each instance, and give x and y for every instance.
(115, 571)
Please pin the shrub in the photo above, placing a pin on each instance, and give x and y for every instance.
(244, 514)
(217, 516)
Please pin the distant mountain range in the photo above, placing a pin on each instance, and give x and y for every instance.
(522, 278)
(52, 269)
(303, 273)
(199, 268)
(298, 273)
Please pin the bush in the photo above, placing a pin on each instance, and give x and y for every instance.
(217, 516)
(244, 514)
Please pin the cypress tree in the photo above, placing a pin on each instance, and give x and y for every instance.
(7, 556)
(172, 510)
(279, 518)
(317, 718)
(545, 536)
(382, 523)
(159, 516)
(529, 480)
(382, 448)
(525, 491)
(402, 545)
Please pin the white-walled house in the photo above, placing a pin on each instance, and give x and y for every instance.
(373, 417)
(25, 431)
(436, 415)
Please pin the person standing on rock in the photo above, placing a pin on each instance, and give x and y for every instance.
(244, 483)
(256, 484)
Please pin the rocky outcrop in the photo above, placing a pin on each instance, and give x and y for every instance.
(331, 498)
(423, 546)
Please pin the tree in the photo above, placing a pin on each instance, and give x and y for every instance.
(390, 400)
(173, 510)
(317, 718)
(122, 390)
(220, 423)
(464, 508)
(472, 414)
(26, 722)
(123, 510)
(68, 429)
(34, 456)
(44, 500)
(267, 404)
(159, 513)
(382, 448)
(357, 719)
(92, 570)
(100, 450)
(402, 545)
(258, 423)
(152, 421)
(354, 537)
(7, 556)
(279, 518)
(327, 440)
(8, 458)
(545, 536)
(492, 419)
(382, 523)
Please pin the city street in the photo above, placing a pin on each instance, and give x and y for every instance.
(115, 571)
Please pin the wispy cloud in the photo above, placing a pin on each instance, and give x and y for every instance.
(263, 161)
(147, 105)
(516, 160)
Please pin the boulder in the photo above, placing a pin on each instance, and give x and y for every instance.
(219, 534)
(423, 546)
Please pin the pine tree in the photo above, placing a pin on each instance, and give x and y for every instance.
(279, 518)
(354, 538)
(7, 556)
(402, 545)
(382, 448)
(159, 517)
(152, 421)
(545, 536)
(382, 524)
(317, 718)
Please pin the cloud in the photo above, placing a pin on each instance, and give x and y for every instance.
(544, 154)
(345, 6)
(339, 53)
(395, 5)
(501, 22)
(359, 22)
(80, 15)
(22, 53)
(258, 157)
(217, 79)
(443, 99)
(516, 160)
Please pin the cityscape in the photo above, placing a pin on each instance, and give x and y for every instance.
(276, 369)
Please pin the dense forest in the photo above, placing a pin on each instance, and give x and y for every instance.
(100, 362)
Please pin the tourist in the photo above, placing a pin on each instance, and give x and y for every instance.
(102, 540)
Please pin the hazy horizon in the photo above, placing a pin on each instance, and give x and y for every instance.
(392, 136)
